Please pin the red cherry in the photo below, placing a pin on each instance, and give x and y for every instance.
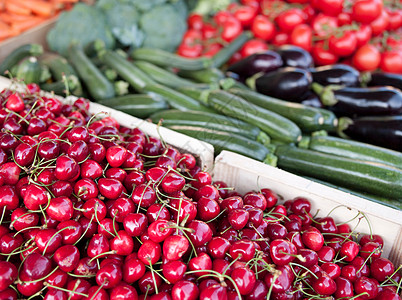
(175, 246)
(60, 209)
(109, 276)
(313, 239)
(349, 250)
(8, 274)
(244, 279)
(174, 271)
(110, 188)
(200, 263)
(366, 287)
(381, 268)
(133, 270)
(185, 290)
(282, 251)
(324, 285)
(67, 257)
(149, 252)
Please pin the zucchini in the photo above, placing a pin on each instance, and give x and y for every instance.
(330, 120)
(222, 140)
(210, 75)
(176, 99)
(60, 87)
(29, 70)
(163, 76)
(138, 105)
(377, 179)
(274, 125)
(18, 54)
(355, 150)
(308, 118)
(96, 83)
(210, 121)
(126, 69)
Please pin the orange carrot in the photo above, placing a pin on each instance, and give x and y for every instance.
(38, 7)
(4, 31)
(27, 24)
(15, 8)
(10, 18)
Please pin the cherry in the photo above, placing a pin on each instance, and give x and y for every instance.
(172, 182)
(60, 209)
(149, 283)
(333, 270)
(208, 191)
(313, 239)
(94, 208)
(256, 200)
(183, 209)
(309, 257)
(9, 242)
(116, 155)
(201, 233)
(116, 173)
(244, 279)
(144, 195)
(173, 271)
(97, 151)
(218, 247)
(238, 218)
(370, 249)
(10, 172)
(48, 240)
(97, 245)
(123, 291)
(21, 219)
(175, 246)
(57, 278)
(8, 294)
(371, 238)
(200, 263)
(185, 290)
(72, 233)
(135, 224)
(122, 244)
(36, 266)
(326, 254)
(109, 275)
(66, 168)
(387, 294)
(121, 208)
(324, 285)
(381, 268)
(349, 250)
(67, 257)
(276, 231)
(149, 252)
(8, 274)
(159, 230)
(280, 280)
(110, 188)
(15, 103)
(133, 270)
(282, 251)
(244, 250)
(27, 287)
(80, 285)
(216, 291)
(9, 198)
(187, 161)
(366, 287)
(97, 293)
(133, 179)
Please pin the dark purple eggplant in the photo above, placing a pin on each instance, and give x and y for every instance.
(383, 79)
(312, 100)
(381, 131)
(355, 101)
(339, 74)
(262, 62)
(291, 84)
(294, 56)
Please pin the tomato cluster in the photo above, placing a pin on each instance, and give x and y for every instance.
(363, 33)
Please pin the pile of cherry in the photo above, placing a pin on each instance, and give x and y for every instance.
(92, 210)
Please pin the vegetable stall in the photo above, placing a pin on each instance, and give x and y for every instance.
(182, 149)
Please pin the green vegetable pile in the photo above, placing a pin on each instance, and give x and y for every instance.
(125, 23)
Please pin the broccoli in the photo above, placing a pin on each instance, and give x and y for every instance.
(163, 27)
(82, 24)
(145, 5)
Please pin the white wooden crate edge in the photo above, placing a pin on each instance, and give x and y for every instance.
(246, 174)
(202, 150)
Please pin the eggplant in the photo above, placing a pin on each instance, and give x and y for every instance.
(294, 56)
(382, 78)
(291, 84)
(262, 62)
(358, 101)
(312, 100)
(381, 131)
(339, 74)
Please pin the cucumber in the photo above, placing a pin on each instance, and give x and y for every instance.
(126, 70)
(210, 121)
(29, 70)
(308, 118)
(18, 54)
(163, 76)
(355, 150)
(176, 99)
(274, 125)
(222, 140)
(377, 179)
(96, 83)
(138, 105)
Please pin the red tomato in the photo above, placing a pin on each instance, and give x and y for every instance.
(321, 55)
(231, 29)
(302, 36)
(366, 58)
(290, 18)
(211, 49)
(195, 21)
(391, 61)
(363, 35)
(192, 36)
(366, 11)
(263, 28)
(379, 25)
(281, 38)
(395, 19)
(324, 25)
(209, 31)
(344, 18)
(329, 7)
(344, 45)
(394, 43)
(271, 8)
(250, 2)
(245, 14)
(190, 51)
(309, 12)
(253, 46)
(221, 17)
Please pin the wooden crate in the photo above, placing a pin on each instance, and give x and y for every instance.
(245, 174)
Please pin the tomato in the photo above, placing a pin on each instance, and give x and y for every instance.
(192, 36)
(272, 8)
(231, 29)
(329, 7)
(195, 21)
(263, 28)
(221, 17)
(281, 38)
(209, 31)
(394, 43)
(290, 18)
(391, 61)
(190, 51)
(211, 49)
(309, 12)
(250, 2)
(253, 46)
(366, 58)
(395, 19)
(245, 14)
(344, 45)
(344, 18)
(302, 36)
(321, 55)
(379, 25)
(366, 11)
(363, 35)
(324, 25)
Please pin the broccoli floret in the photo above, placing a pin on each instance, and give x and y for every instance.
(163, 27)
(181, 7)
(145, 5)
(82, 24)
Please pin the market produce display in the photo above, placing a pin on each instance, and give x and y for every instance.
(157, 226)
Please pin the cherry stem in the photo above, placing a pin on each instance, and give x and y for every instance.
(97, 291)
(389, 278)
(153, 276)
(86, 230)
(114, 226)
(2, 214)
(142, 196)
(272, 286)
(47, 244)
(65, 290)
(354, 218)
(97, 220)
(37, 294)
(40, 279)
(298, 256)
(81, 276)
(101, 254)
(303, 267)
(27, 228)
(368, 257)
(368, 224)
(220, 214)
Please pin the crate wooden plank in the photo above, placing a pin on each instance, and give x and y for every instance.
(245, 174)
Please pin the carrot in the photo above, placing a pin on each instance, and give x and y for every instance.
(38, 7)
(27, 24)
(6, 31)
(15, 8)
(10, 18)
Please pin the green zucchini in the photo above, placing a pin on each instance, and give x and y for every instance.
(210, 121)
(96, 83)
(377, 179)
(210, 75)
(274, 125)
(330, 120)
(176, 99)
(18, 54)
(222, 140)
(138, 105)
(29, 70)
(126, 69)
(356, 150)
(307, 118)
(60, 87)
(163, 76)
